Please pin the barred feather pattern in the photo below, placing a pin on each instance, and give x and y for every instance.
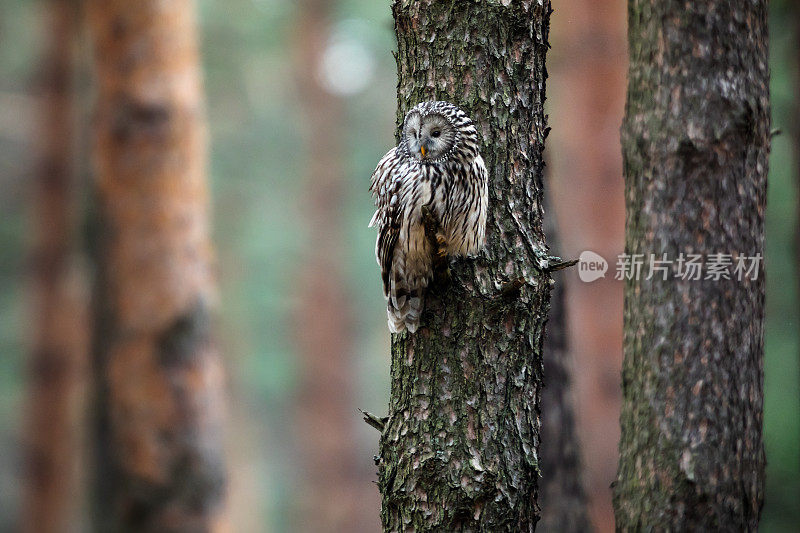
(452, 182)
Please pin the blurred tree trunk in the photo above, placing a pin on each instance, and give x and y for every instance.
(795, 10)
(459, 451)
(563, 500)
(60, 328)
(587, 65)
(335, 492)
(159, 374)
(695, 143)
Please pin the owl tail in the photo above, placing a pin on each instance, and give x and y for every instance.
(406, 302)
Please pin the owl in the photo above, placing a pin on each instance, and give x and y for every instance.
(437, 165)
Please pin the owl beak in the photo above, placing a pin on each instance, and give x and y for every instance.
(422, 150)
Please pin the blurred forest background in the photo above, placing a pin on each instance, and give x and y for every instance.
(301, 105)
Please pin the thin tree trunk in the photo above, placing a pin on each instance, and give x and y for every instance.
(459, 451)
(58, 356)
(335, 492)
(563, 500)
(795, 11)
(159, 374)
(588, 64)
(695, 144)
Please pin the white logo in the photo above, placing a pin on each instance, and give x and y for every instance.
(591, 266)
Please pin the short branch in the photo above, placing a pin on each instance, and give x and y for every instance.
(560, 265)
(510, 289)
(374, 421)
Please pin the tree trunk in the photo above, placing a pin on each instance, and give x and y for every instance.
(159, 375)
(795, 136)
(60, 337)
(695, 144)
(587, 67)
(335, 494)
(459, 451)
(563, 500)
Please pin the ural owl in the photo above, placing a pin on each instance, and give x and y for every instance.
(436, 165)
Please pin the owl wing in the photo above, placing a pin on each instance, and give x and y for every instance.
(388, 217)
(465, 224)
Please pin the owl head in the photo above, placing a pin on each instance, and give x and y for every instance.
(430, 133)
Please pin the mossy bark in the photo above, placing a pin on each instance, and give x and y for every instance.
(459, 451)
(695, 144)
(159, 376)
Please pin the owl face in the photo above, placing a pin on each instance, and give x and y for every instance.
(429, 137)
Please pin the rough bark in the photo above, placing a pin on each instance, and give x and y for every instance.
(459, 451)
(587, 67)
(563, 500)
(158, 373)
(695, 144)
(59, 307)
(336, 494)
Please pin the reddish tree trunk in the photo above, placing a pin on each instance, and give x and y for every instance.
(336, 493)
(159, 376)
(59, 318)
(587, 67)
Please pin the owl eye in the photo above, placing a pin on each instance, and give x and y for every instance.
(435, 133)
